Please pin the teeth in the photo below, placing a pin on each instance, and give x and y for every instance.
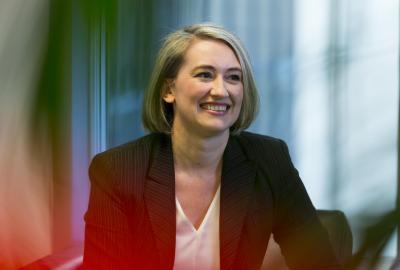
(215, 107)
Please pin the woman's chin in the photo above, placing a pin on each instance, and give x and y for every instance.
(213, 130)
(205, 127)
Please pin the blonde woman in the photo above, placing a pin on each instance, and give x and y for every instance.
(199, 192)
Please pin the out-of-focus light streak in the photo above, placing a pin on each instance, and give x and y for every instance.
(25, 177)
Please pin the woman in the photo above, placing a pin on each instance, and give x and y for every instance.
(199, 192)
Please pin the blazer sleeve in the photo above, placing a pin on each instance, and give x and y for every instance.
(303, 240)
(107, 237)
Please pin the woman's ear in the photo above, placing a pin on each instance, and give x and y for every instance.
(168, 94)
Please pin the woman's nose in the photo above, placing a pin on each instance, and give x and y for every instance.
(219, 88)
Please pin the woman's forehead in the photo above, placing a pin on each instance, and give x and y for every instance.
(209, 52)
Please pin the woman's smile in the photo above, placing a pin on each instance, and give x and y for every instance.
(215, 107)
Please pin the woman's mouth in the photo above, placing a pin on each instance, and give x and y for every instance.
(215, 107)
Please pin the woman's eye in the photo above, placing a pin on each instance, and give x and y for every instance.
(204, 75)
(235, 77)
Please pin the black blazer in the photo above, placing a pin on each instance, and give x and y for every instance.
(130, 221)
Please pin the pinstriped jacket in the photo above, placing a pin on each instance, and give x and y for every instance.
(130, 221)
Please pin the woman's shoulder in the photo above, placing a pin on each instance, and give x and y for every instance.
(257, 137)
(260, 140)
(265, 149)
(138, 148)
(272, 158)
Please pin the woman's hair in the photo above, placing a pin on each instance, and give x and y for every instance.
(157, 115)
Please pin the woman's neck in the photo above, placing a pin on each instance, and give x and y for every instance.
(195, 152)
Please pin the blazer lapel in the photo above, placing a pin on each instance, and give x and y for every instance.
(160, 200)
(238, 174)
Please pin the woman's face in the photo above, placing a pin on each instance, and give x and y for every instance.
(207, 93)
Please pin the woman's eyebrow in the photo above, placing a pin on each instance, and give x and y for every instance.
(235, 69)
(204, 67)
(213, 68)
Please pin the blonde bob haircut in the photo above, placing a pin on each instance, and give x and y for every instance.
(157, 115)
